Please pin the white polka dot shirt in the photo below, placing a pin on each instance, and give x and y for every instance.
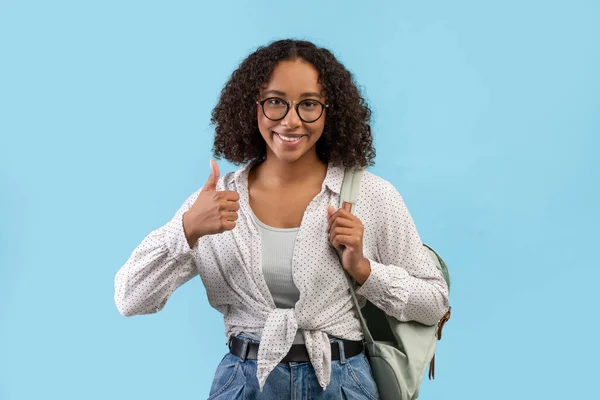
(403, 282)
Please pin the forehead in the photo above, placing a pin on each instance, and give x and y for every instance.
(293, 78)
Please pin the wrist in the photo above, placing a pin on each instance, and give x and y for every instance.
(362, 271)
(190, 234)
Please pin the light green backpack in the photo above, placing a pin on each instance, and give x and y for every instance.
(398, 352)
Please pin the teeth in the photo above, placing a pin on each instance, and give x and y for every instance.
(289, 139)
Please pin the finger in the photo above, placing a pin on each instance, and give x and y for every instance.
(330, 211)
(332, 214)
(343, 240)
(227, 225)
(343, 213)
(229, 215)
(225, 207)
(213, 178)
(340, 231)
(339, 213)
(230, 195)
(347, 206)
(232, 206)
(344, 222)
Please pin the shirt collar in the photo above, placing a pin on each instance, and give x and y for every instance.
(241, 175)
(334, 178)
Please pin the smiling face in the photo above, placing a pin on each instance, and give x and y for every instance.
(290, 139)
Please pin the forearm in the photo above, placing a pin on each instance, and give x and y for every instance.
(160, 264)
(405, 297)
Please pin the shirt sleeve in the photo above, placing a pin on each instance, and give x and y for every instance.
(159, 265)
(404, 282)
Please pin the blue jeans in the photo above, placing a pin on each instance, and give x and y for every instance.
(351, 379)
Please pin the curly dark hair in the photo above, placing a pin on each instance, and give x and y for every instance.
(346, 138)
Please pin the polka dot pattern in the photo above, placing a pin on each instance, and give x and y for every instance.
(404, 282)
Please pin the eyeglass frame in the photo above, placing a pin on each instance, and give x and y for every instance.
(289, 106)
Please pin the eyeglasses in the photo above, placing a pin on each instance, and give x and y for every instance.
(276, 109)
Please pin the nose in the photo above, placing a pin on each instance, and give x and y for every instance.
(292, 119)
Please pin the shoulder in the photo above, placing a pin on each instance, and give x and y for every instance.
(234, 179)
(378, 196)
(376, 187)
(379, 199)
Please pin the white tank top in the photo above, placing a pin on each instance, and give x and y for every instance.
(277, 251)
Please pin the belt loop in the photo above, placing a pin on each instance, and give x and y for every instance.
(340, 344)
(245, 348)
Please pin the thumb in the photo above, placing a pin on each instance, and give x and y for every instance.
(330, 210)
(347, 206)
(213, 178)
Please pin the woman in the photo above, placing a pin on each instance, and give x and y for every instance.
(263, 238)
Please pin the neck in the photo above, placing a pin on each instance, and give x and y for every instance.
(277, 173)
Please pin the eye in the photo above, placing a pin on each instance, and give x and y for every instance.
(275, 102)
(309, 104)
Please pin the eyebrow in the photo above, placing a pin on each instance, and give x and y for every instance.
(282, 94)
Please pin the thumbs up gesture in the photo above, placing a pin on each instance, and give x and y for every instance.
(213, 211)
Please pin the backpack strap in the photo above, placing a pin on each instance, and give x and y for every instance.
(349, 193)
(351, 186)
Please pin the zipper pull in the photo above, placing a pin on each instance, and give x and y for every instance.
(442, 322)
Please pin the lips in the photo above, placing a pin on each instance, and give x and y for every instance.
(291, 139)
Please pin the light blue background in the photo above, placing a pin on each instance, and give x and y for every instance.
(486, 118)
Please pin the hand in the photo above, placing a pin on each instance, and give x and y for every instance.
(346, 231)
(213, 212)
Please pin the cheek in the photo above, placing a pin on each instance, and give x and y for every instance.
(316, 129)
(264, 124)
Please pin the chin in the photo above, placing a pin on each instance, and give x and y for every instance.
(288, 158)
